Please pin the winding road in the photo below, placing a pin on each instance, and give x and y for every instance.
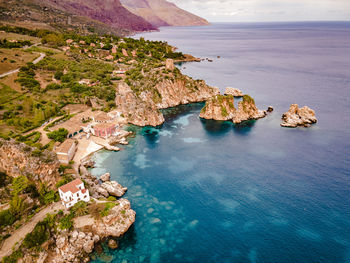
(37, 60)
(19, 234)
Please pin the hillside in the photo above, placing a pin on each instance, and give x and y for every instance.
(95, 16)
(162, 13)
(84, 17)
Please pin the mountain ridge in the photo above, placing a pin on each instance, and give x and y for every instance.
(119, 17)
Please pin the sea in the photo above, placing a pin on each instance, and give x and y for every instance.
(210, 191)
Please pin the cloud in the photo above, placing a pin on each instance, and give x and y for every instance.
(268, 10)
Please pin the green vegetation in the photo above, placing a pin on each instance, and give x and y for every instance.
(58, 135)
(66, 222)
(248, 99)
(7, 94)
(223, 111)
(4, 43)
(26, 77)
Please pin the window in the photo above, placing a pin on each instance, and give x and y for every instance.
(84, 196)
(78, 199)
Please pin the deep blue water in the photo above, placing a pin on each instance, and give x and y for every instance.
(207, 191)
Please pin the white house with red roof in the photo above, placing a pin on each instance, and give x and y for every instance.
(73, 192)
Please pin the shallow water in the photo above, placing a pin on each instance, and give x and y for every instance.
(207, 191)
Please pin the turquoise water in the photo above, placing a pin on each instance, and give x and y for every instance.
(207, 191)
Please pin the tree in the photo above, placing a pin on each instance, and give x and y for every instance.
(58, 135)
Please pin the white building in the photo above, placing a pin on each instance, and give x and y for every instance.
(73, 192)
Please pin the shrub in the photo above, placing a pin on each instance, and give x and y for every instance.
(6, 218)
(66, 222)
(59, 135)
(4, 179)
(111, 198)
(80, 209)
(36, 153)
(19, 184)
(38, 236)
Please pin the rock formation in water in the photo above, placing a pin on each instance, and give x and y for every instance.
(221, 107)
(234, 92)
(296, 116)
(20, 159)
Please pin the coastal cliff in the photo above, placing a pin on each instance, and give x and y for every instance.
(76, 245)
(221, 107)
(147, 90)
(19, 159)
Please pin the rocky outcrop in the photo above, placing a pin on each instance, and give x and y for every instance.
(135, 110)
(19, 159)
(296, 116)
(221, 107)
(183, 91)
(247, 111)
(234, 92)
(105, 177)
(143, 109)
(113, 188)
(75, 246)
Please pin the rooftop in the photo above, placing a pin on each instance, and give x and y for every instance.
(104, 125)
(65, 146)
(102, 116)
(72, 186)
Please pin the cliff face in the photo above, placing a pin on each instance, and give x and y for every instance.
(222, 108)
(219, 108)
(296, 116)
(75, 246)
(142, 107)
(163, 13)
(17, 159)
(137, 111)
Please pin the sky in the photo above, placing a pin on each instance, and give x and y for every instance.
(267, 10)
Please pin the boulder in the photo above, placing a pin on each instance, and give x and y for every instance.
(234, 92)
(105, 177)
(102, 191)
(112, 244)
(296, 116)
(113, 188)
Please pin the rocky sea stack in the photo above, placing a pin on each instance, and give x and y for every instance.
(221, 107)
(296, 116)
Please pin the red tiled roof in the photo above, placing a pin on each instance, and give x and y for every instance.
(72, 186)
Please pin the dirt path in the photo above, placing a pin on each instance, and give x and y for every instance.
(37, 60)
(20, 233)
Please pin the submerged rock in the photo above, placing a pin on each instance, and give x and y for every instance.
(296, 116)
(234, 92)
(112, 244)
